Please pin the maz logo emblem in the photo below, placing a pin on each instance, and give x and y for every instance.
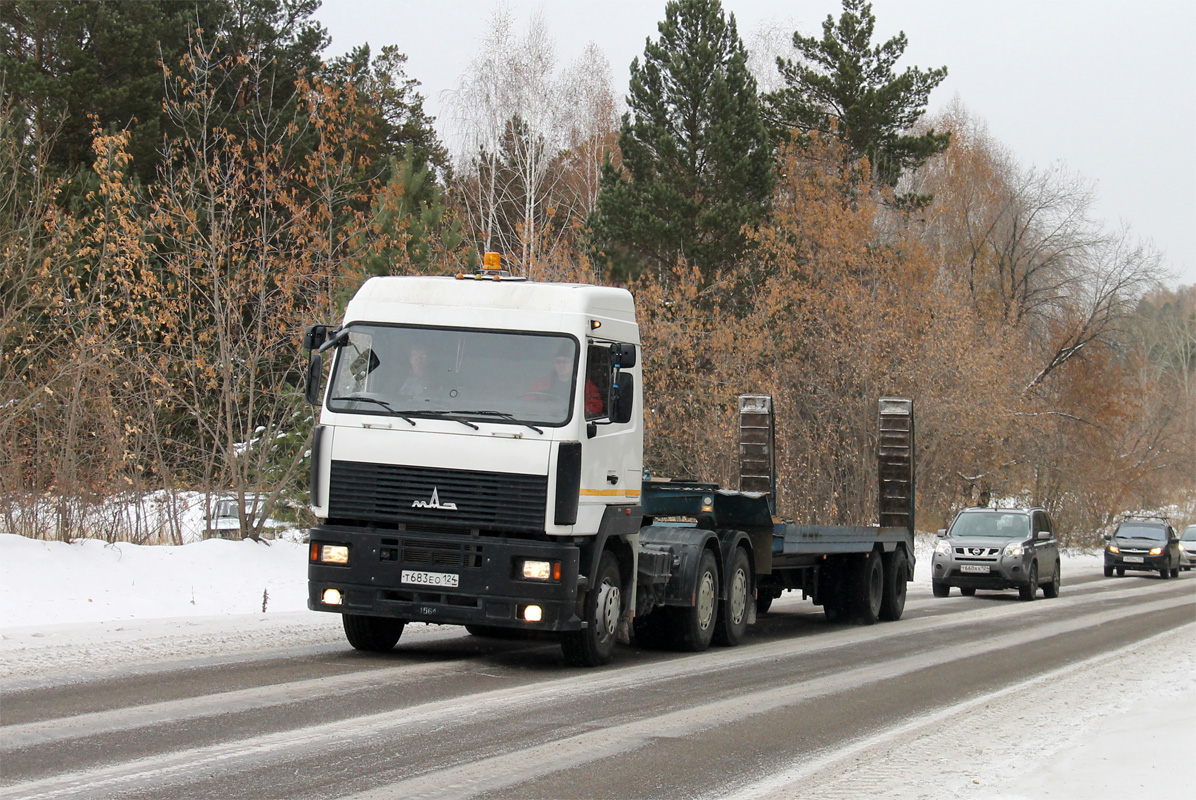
(435, 503)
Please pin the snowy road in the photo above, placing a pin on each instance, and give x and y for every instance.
(948, 702)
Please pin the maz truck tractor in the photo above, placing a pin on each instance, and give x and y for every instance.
(479, 462)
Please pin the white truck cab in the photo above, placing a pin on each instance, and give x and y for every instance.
(472, 425)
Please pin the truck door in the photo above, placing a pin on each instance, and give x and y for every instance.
(612, 453)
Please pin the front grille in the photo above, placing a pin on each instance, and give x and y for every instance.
(977, 553)
(418, 553)
(444, 499)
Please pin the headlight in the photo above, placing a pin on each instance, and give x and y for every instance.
(1114, 548)
(1013, 550)
(330, 553)
(943, 548)
(1156, 551)
(542, 570)
(1182, 549)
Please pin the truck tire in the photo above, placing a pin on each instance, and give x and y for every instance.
(594, 645)
(764, 598)
(693, 626)
(733, 609)
(867, 588)
(896, 565)
(374, 634)
(833, 590)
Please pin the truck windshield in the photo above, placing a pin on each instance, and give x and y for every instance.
(498, 376)
(993, 525)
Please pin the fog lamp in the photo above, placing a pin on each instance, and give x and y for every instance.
(533, 614)
(332, 597)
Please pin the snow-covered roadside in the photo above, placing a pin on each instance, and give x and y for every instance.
(83, 608)
(91, 581)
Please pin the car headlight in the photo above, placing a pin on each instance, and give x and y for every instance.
(1013, 550)
(1182, 549)
(943, 548)
(1156, 551)
(1114, 549)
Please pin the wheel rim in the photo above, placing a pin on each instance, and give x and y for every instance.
(738, 596)
(705, 600)
(608, 608)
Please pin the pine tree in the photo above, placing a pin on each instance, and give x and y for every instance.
(697, 164)
(843, 84)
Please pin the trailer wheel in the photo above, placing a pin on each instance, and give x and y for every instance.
(375, 634)
(896, 565)
(594, 645)
(833, 590)
(867, 588)
(693, 626)
(733, 610)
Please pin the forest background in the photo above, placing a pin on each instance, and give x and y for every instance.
(184, 186)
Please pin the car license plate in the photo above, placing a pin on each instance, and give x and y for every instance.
(446, 579)
(1134, 559)
(982, 568)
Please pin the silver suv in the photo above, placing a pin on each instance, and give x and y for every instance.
(997, 548)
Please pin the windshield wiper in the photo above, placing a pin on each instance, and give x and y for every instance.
(365, 398)
(485, 412)
(437, 414)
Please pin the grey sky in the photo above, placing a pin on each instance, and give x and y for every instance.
(1107, 87)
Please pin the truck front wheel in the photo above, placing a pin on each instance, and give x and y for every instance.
(375, 634)
(594, 645)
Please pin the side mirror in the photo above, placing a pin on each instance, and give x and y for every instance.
(622, 398)
(314, 337)
(1108, 537)
(315, 371)
(941, 532)
(622, 355)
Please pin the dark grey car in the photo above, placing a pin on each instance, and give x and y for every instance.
(998, 548)
(1149, 544)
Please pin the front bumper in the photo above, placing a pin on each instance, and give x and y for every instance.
(489, 590)
(1002, 573)
(1136, 561)
(1187, 558)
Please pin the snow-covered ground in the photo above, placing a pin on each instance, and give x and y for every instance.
(140, 602)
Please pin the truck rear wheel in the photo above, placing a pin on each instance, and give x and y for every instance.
(594, 645)
(892, 604)
(375, 634)
(733, 610)
(694, 625)
(867, 588)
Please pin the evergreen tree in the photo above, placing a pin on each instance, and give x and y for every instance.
(697, 165)
(845, 85)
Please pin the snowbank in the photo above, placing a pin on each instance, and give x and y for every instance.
(91, 581)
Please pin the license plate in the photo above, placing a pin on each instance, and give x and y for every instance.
(982, 568)
(446, 579)
(1134, 560)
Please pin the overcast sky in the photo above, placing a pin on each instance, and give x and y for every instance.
(1107, 87)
